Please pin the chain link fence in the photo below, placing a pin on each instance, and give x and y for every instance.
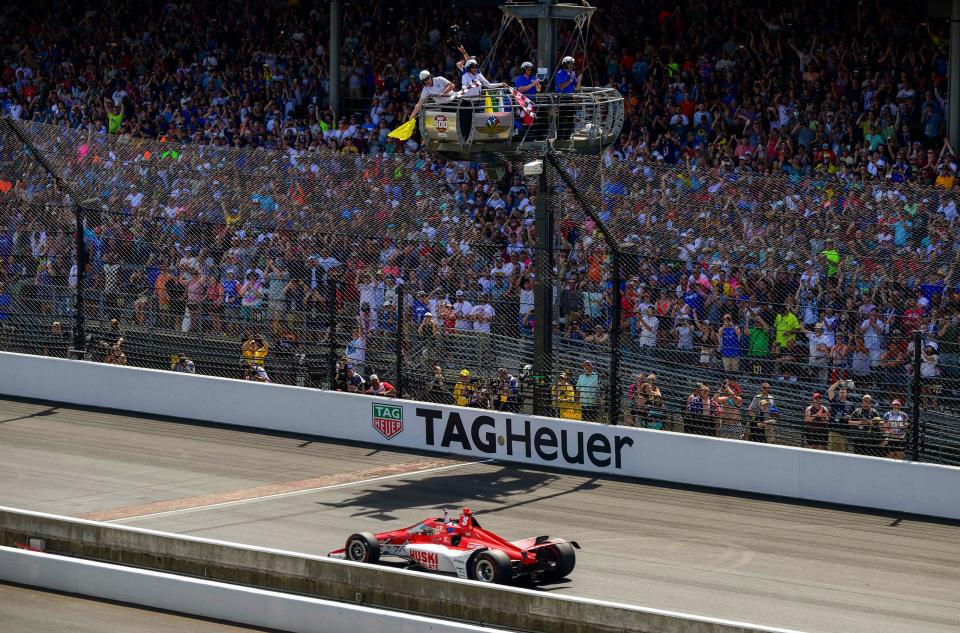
(409, 276)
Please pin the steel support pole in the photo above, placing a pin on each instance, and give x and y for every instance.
(615, 334)
(399, 342)
(79, 324)
(543, 297)
(336, 81)
(953, 82)
(915, 394)
(547, 39)
(332, 330)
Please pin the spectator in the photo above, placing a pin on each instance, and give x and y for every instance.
(507, 393)
(729, 336)
(115, 355)
(354, 382)
(816, 418)
(759, 411)
(356, 350)
(787, 326)
(727, 403)
(462, 389)
(588, 391)
(58, 343)
(698, 418)
(897, 424)
(254, 350)
(820, 345)
(771, 425)
(256, 373)
(598, 337)
(565, 399)
(181, 363)
(841, 413)
(649, 325)
(646, 403)
(437, 388)
(866, 432)
(377, 387)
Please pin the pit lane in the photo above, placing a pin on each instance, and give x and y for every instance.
(756, 560)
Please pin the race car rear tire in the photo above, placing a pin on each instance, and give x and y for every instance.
(362, 547)
(565, 557)
(491, 566)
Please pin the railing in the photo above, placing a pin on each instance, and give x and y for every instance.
(407, 360)
(583, 122)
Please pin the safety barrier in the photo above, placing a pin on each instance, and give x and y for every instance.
(193, 596)
(734, 465)
(329, 579)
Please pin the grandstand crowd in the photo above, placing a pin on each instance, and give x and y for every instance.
(783, 186)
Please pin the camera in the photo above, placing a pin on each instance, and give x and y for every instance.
(456, 35)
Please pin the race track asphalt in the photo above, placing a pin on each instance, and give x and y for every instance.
(775, 563)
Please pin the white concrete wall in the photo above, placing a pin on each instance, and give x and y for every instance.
(194, 596)
(790, 472)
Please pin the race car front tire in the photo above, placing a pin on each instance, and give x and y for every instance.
(565, 557)
(491, 566)
(362, 547)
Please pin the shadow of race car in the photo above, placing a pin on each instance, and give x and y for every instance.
(464, 548)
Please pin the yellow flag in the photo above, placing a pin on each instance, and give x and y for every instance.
(404, 131)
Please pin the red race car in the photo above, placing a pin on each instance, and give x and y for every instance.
(464, 548)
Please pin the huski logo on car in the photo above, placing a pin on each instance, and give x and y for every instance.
(388, 419)
(427, 560)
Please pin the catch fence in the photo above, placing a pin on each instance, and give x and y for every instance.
(294, 265)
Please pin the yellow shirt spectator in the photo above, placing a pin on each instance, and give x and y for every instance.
(787, 326)
(461, 390)
(566, 400)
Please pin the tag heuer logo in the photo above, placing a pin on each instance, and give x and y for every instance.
(387, 419)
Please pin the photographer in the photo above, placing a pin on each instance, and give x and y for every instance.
(256, 373)
(183, 364)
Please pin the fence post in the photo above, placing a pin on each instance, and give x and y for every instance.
(399, 353)
(331, 330)
(79, 325)
(615, 335)
(543, 295)
(915, 394)
(611, 242)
